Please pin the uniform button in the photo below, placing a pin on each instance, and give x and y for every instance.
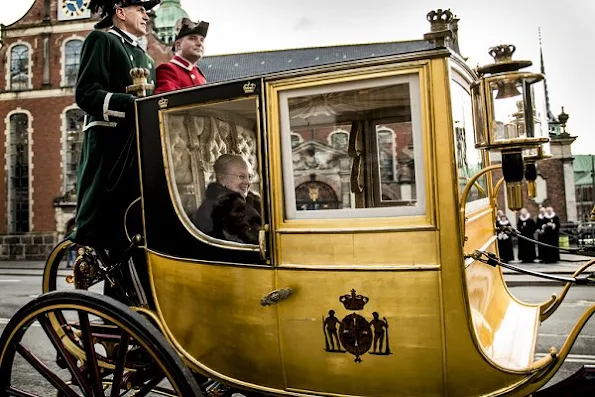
(131, 58)
(150, 66)
(192, 77)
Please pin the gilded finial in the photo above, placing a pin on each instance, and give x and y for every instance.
(439, 19)
(139, 85)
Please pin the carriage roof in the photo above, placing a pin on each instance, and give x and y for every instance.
(220, 68)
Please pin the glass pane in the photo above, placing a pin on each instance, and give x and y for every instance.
(215, 174)
(479, 123)
(18, 196)
(72, 54)
(396, 165)
(19, 67)
(351, 146)
(540, 110)
(73, 145)
(469, 159)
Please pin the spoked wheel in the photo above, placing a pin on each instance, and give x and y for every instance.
(104, 349)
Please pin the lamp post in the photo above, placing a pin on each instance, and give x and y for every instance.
(510, 116)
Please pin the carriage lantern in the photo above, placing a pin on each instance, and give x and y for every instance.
(510, 117)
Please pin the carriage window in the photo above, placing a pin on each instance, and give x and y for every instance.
(214, 168)
(359, 152)
(469, 159)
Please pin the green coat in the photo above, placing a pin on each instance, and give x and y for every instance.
(108, 179)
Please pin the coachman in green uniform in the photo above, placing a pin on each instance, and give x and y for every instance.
(108, 176)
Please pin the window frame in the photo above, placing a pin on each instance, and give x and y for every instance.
(64, 82)
(64, 155)
(458, 77)
(8, 160)
(172, 185)
(411, 77)
(9, 83)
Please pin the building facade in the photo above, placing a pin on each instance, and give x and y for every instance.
(42, 124)
(555, 183)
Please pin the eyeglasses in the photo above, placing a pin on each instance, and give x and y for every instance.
(243, 177)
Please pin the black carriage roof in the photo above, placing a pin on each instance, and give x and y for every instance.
(228, 67)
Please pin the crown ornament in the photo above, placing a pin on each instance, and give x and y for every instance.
(353, 301)
(503, 61)
(163, 103)
(502, 53)
(439, 19)
(139, 86)
(249, 88)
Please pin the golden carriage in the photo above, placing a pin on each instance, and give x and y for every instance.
(367, 279)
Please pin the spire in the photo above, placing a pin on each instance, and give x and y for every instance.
(166, 17)
(550, 115)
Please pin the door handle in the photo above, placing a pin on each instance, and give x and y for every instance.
(276, 296)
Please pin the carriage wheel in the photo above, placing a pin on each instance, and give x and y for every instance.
(50, 272)
(109, 351)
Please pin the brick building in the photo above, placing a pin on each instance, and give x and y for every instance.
(42, 125)
(555, 182)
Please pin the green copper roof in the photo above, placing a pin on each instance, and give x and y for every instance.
(166, 16)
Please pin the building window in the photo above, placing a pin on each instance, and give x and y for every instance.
(18, 162)
(19, 67)
(73, 144)
(72, 55)
(296, 139)
(339, 140)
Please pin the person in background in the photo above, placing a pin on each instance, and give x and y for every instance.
(526, 226)
(230, 211)
(551, 235)
(499, 214)
(181, 71)
(539, 221)
(504, 240)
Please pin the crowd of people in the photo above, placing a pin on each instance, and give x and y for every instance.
(544, 228)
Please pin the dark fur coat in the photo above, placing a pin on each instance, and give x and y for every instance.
(226, 215)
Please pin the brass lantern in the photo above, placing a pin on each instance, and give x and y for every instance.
(509, 115)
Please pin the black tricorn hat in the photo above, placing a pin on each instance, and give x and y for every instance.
(107, 8)
(185, 27)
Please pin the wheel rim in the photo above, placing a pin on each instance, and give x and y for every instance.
(50, 284)
(136, 362)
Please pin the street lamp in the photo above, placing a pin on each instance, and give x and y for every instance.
(510, 117)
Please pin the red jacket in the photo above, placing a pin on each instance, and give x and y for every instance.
(178, 73)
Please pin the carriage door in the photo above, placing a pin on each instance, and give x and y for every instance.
(205, 230)
(351, 232)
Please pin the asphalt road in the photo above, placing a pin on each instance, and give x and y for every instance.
(16, 290)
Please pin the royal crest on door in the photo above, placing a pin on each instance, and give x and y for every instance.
(355, 334)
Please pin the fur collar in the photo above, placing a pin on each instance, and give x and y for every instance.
(216, 190)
